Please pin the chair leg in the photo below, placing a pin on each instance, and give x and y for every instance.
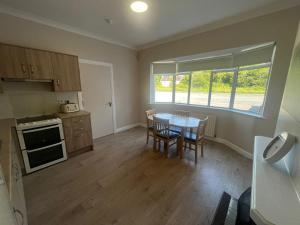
(154, 144)
(185, 144)
(202, 146)
(177, 146)
(166, 149)
(196, 153)
(147, 136)
(159, 145)
(165, 145)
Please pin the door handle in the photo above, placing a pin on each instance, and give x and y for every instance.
(23, 67)
(110, 104)
(32, 69)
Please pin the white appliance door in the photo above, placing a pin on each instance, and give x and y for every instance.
(97, 97)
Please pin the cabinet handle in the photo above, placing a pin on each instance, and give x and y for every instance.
(16, 211)
(23, 67)
(57, 82)
(32, 69)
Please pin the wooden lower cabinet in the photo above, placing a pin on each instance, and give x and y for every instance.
(77, 132)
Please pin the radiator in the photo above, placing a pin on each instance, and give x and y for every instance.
(211, 125)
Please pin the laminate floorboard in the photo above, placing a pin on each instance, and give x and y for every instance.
(123, 182)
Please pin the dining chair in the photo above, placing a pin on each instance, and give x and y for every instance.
(163, 133)
(149, 113)
(196, 138)
(181, 113)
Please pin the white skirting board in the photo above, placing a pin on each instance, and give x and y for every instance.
(127, 127)
(234, 147)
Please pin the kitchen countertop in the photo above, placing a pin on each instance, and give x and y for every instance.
(73, 114)
(5, 148)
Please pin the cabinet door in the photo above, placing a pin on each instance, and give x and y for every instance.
(39, 63)
(17, 190)
(66, 72)
(81, 132)
(13, 62)
(67, 124)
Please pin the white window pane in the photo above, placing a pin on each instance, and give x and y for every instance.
(221, 89)
(182, 88)
(200, 87)
(251, 88)
(163, 88)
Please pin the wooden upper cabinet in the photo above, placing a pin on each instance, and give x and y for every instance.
(66, 72)
(39, 63)
(13, 62)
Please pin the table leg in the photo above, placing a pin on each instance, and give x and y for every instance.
(181, 142)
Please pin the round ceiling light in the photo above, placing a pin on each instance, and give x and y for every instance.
(139, 6)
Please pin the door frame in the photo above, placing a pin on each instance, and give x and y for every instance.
(110, 65)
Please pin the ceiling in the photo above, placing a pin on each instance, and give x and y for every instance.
(164, 18)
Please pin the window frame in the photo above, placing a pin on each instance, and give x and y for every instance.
(235, 70)
(173, 88)
(262, 65)
(189, 87)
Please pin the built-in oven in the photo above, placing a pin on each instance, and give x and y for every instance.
(42, 143)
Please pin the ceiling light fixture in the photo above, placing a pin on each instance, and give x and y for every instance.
(139, 6)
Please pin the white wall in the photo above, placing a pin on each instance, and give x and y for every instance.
(289, 117)
(24, 99)
(30, 34)
(238, 129)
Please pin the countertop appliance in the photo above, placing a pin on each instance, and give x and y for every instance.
(41, 141)
(69, 107)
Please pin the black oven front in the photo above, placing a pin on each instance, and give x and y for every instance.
(42, 146)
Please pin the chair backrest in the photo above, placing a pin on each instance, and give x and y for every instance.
(148, 113)
(201, 128)
(161, 126)
(182, 113)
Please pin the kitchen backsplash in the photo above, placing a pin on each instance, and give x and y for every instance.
(22, 99)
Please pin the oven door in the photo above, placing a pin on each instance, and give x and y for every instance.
(40, 137)
(42, 157)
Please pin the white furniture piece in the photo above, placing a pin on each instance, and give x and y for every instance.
(278, 147)
(274, 199)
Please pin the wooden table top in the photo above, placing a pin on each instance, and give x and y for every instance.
(178, 121)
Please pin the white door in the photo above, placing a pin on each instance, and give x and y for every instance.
(97, 97)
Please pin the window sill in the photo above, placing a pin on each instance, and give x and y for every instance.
(212, 108)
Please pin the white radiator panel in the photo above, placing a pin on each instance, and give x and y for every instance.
(210, 130)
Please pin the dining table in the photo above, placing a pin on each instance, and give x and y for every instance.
(184, 123)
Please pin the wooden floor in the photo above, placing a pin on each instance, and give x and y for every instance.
(122, 182)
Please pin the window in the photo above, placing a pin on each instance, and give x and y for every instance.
(236, 81)
(163, 88)
(221, 89)
(182, 88)
(200, 87)
(250, 89)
